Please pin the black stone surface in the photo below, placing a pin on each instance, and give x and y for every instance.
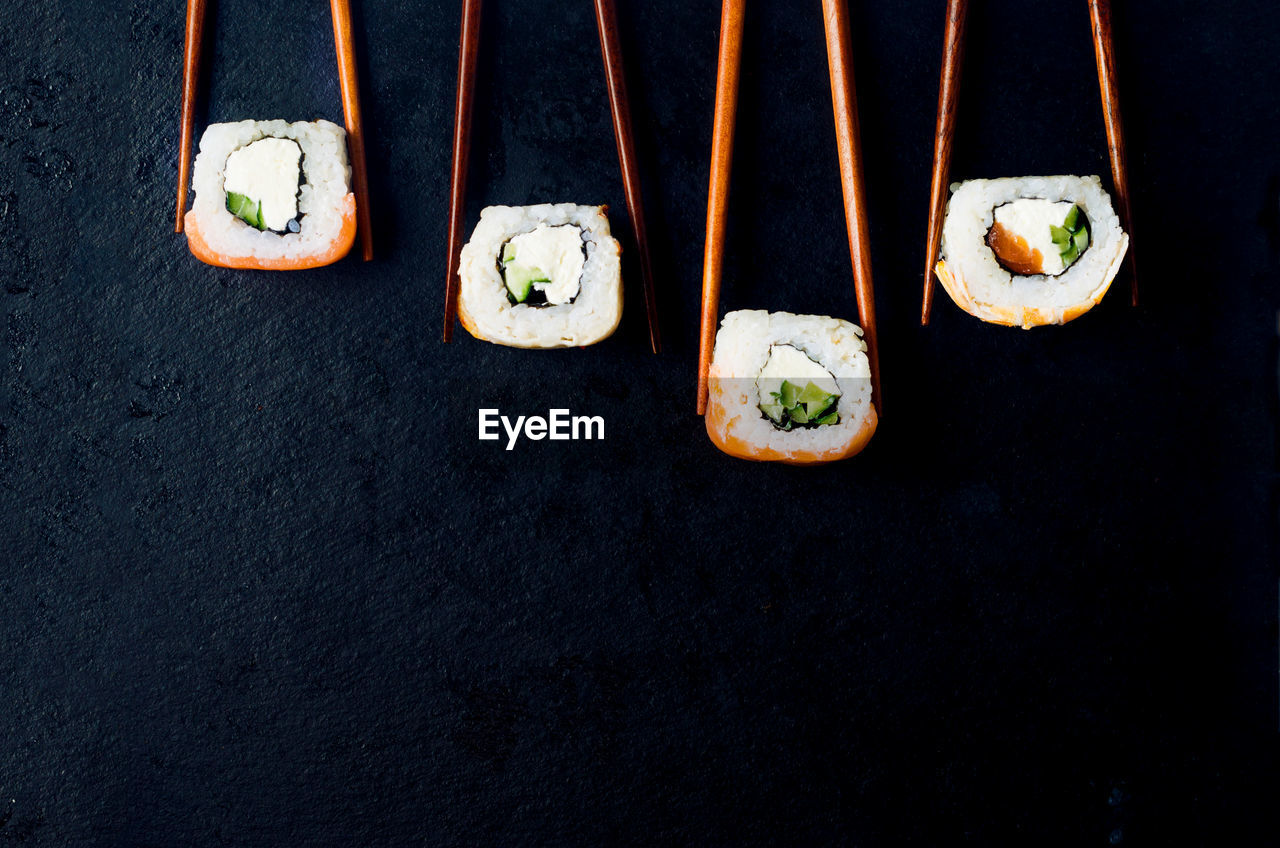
(262, 585)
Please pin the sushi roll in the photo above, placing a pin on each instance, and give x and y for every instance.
(789, 388)
(1028, 251)
(541, 276)
(272, 195)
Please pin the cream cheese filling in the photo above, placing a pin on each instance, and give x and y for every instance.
(793, 365)
(557, 253)
(1030, 218)
(267, 171)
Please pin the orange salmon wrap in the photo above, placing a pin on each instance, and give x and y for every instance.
(339, 247)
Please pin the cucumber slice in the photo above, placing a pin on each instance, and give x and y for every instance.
(790, 394)
(819, 408)
(1072, 218)
(773, 411)
(816, 400)
(1060, 235)
(508, 254)
(799, 415)
(520, 280)
(829, 418)
(245, 209)
(1080, 240)
(813, 393)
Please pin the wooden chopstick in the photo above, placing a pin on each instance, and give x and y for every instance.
(468, 48)
(844, 100)
(620, 105)
(190, 81)
(727, 69)
(1100, 14)
(344, 43)
(944, 136)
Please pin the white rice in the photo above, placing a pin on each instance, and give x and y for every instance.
(990, 291)
(327, 181)
(483, 305)
(741, 351)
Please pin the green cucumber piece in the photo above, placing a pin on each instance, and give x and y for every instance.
(819, 408)
(789, 395)
(239, 205)
(798, 415)
(1080, 240)
(508, 254)
(1072, 218)
(813, 393)
(816, 400)
(245, 209)
(829, 418)
(1059, 235)
(520, 280)
(773, 411)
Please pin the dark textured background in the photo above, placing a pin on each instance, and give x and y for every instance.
(262, 586)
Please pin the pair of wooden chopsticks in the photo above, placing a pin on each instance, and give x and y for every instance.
(845, 106)
(948, 94)
(344, 43)
(619, 105)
